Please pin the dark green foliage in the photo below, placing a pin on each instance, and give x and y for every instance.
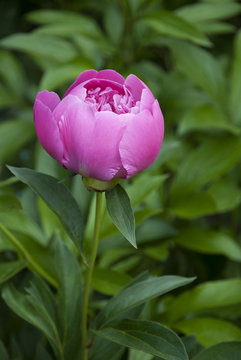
(186, 206)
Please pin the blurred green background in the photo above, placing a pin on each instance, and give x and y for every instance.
(187, 204)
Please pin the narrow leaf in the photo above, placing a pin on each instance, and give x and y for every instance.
(120, 211)
(13, 135)
(9, 269)
(57, 197)
(69, 291)
(209, 331)
(208, 241)
(167, 23)
(199, 168)
(44, 46)
(33, 312)
(108, 281)
(223, 351)
(138, 293)
(205, 297)
(147, 336)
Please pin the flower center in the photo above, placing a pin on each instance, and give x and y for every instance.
(109, 99)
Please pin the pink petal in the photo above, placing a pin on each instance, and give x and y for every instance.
(49, 99)
(147, 100)
(103, 158)
(79, 91)
(158, 116)
(84, 76)
(46, 127)
(111, 75)
(76, 122)
(142, 140)
(135, 85)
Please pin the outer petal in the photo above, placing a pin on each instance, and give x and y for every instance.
(147, 100)
(76, 123)
(135, 85)
(142, 140)
(50, 99)
(103, 157)
(111, 75)
(84, 76)
(46, 126)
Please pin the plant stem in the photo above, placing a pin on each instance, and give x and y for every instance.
(89, 274)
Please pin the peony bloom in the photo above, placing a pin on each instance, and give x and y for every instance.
(105, 127)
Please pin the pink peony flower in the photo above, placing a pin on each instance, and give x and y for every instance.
(105, 127)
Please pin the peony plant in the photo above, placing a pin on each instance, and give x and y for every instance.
(106, 128)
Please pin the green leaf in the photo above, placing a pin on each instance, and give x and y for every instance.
(94, 49)
(6, 98)
(226, 194)
(208, 241)
(202, 68)
(167, 23)
(31, 310)
(205, 297)
(108, 281)
(199, 168)
(42, 354)
(186, 206)
(209, 331)
(112, 255)
(57, 197)
(157, 252)
(14, 78)
(138, 192)
(235, 81)
(224, 351)
(192, 346)
(57, 76)
(67, 29)
(206, 118)
(18, 221)
(127, 264)
(139, 355)
(143, 186)
(51, 16)
(59, 17)
(38, 257)
(154, 230)
(104, 349)
(147, 336)
(69, 291)
(9, 202)
(41, 293)
(44, 46)
(13, 135)
(208, 12)
(120, 211)
(9, 269)
(3, 352)
(211, 28)
(114, 22)
(138, 293)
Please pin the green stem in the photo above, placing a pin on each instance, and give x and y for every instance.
(89, 274)
(28, 257)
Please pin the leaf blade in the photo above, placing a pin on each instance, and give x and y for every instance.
(57, 197)
(147, 336)
(120, 211)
